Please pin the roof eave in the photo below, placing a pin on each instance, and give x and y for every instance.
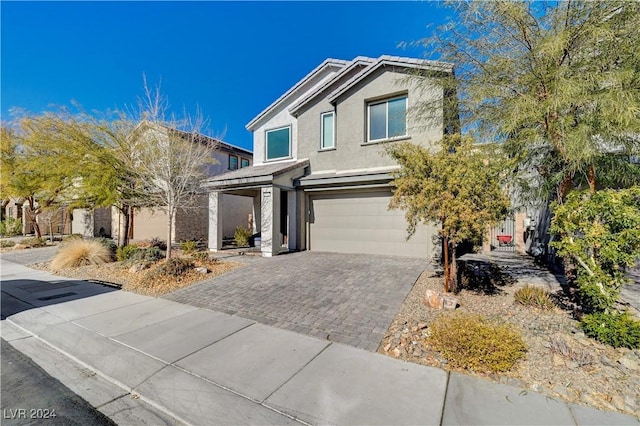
(327, 63)
(383, 62)
(359, 61)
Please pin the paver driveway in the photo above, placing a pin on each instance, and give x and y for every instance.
(346, 298)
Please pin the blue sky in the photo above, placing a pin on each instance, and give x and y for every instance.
(231, 59)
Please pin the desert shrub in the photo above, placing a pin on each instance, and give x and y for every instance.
(151, 254)
(613, 329)
(535, 297)
(201, 256)
(242, 236)
(560, 346)
(126, 252)
(111, 245)
(158, 243)
(10, 226)
(600, 232)
(81, 253)
(7, 243)
(189, 247)
(473, 342)
(72, 237)
(34, 242)
(177, 266)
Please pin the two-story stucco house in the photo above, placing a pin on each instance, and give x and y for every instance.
(190, 222)
(320, 178)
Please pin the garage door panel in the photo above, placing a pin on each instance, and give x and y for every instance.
(360, 222)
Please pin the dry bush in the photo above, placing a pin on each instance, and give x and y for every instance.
(561, 346)
(473, 342)
(535, 297)
(81, 253)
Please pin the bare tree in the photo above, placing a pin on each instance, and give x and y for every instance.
(173, 156)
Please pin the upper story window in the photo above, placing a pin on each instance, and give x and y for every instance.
(278, 143)
(327, 132)
(387, 119)
(233, 162)
(244, 162)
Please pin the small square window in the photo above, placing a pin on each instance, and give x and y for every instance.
(387, 119)
(233, 162)
(327, 138)
(278, 143)
(244, 162)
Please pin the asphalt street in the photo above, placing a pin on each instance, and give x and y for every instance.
(30, 396)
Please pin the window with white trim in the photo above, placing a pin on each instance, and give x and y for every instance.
(387, 119)
(278, 143)
(327, 131)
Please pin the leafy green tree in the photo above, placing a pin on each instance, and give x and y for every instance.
(601, 233)
(39, 158)
(557, 82)
(110, 176)
(458, 186)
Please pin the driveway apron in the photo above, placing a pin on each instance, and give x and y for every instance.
(345, 298)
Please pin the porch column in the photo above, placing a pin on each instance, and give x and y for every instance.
(292, 210)
(215, 220)
(257, 213)
(270, 221)
(519, 231)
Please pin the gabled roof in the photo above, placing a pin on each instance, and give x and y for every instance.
(326, 64)
(360, 61)
(394, 61)
(252, 175)
(219, 143)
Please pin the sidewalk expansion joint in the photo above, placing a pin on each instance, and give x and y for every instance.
(444, 398)
(296, 373)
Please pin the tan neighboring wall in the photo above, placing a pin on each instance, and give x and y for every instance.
(190, 223)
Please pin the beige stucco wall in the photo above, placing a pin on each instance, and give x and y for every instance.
(91, 223)
(148, 224)
(351, 150)
(235, 212)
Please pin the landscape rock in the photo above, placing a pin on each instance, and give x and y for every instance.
(433, 299)
(201, 270)
(557, 360)
(629, 363)
(449, 302)
(138, 267)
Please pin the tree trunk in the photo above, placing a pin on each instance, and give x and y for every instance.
(123, 232)
(453, 286)
(32, 216)
(170, 215)
(447, 269)
(564, 187)
(591, 176)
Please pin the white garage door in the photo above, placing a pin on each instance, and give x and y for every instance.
(360, 222)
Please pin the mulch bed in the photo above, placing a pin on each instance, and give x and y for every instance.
(146, 281)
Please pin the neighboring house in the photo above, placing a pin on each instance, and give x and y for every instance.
(56, 221)
(320, 179)
(191, 222)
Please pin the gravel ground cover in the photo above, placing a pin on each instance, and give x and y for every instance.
(588, 372)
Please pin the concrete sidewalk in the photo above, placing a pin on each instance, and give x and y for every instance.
(144, 360)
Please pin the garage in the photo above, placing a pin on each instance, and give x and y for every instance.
(360, 222)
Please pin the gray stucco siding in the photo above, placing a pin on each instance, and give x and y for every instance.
(351, 149)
